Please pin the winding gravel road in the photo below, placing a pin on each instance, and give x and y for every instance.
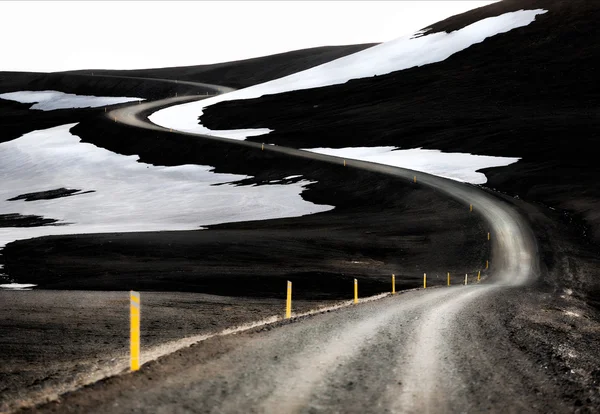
(419, 351)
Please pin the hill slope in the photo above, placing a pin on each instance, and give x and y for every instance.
(244, 73)
(530, 93)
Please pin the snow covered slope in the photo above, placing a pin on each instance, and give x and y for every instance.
(51, 100)
(399, 54)
(127, 195)
(455, 165)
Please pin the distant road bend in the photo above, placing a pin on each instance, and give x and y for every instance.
(421, 351)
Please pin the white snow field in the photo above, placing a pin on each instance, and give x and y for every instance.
(455, 165)
(51, 100)
(128, 195)
(395, 55)
(17, 286)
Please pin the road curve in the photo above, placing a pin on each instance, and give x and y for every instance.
(400, 354)
(514, 249)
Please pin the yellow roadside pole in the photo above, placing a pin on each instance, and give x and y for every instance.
(448, 278)
(470, 207)
(355, 291)
(134, 330)
(424, 280)
(487, 264)
(393, 284)
(262, 147)
(478, 276)
(344, 163)
(465, 279)
(488, 235)
(288, 302)
(415, 179)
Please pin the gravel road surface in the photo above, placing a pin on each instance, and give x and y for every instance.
(419, 351)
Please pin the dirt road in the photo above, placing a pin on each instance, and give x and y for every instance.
(420, 351)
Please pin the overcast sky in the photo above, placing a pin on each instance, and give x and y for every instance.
(52, 36)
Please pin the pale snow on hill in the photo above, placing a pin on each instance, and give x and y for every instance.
(51, 100)
(456, 165)
(128, 195)
(399, 54)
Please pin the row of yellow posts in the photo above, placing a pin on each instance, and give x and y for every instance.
(288, 303)
(135, 315)
(134, 312)
(447, 282)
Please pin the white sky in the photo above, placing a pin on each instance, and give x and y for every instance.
(53, 36)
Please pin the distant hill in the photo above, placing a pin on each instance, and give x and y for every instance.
(16, 119)
(243, 73)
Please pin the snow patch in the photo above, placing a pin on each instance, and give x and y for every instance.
(454, 165)
(403, 53)
(51, 100)
(128, 195)
(17, 286)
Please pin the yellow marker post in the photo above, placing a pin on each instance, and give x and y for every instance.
(487, 264)
(393, 284)
(355, 291)
(115, 119)
(134, 330)
(465, 279)
(488, 235)
(288, 302)
(424, 280)
(448, 278)
(344, 163)
(470, 207)
(415, 179)
(478, 276)
(262, 147)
